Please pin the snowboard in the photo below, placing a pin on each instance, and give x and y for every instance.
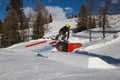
(59, 40)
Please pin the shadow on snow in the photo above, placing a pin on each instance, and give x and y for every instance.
(107, 59)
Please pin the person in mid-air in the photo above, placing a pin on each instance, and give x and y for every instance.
(64, 31)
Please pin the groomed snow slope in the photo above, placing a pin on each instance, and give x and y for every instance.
(80, 60)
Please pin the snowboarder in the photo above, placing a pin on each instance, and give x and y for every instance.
(64, 31)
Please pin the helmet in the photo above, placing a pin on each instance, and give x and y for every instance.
(67, 25)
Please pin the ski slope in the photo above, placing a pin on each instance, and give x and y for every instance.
(96, 60)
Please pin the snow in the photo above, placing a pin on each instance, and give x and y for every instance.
(80, 60)
(96, 60)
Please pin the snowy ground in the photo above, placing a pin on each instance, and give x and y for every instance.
(96, 60)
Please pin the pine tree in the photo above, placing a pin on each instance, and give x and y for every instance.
(82, 19)
(0, 31)
(23, 33)
(42, 19)
(93, 22)
(0, 26)
(17, 5)
(103, 18)
(38, 29)
(91, 4)
(10, 31)
(50, 18)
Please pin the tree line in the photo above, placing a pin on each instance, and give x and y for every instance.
(87, 21)
(15, 28)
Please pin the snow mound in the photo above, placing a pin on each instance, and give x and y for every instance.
(80, 60)
(97, 63)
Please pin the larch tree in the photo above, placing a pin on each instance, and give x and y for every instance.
(0, 26)
(83, 17)
(10, 29)
(17, 5)
(91, 7)
(0, 31)
(39, 27)
(103, 18)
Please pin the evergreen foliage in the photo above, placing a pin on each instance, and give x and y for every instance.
(82, 19)
(10, 30)
(18, 7)
(50, 18)
(39, 27)
(0, 26)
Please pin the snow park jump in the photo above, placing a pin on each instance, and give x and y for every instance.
(60, 55)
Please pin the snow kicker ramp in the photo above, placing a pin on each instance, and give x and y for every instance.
(44, 48)
(80, 60)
